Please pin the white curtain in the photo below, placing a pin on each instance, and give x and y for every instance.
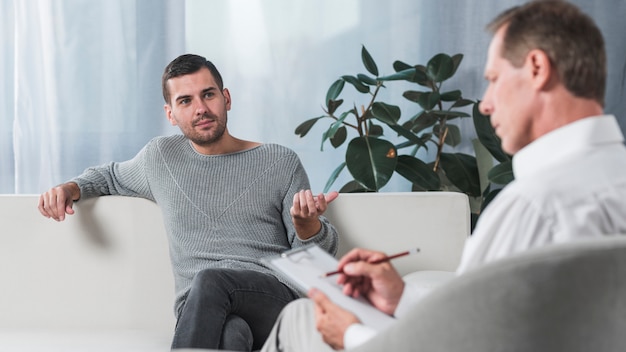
(81, 84)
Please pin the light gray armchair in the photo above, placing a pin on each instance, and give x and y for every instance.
(567, 297)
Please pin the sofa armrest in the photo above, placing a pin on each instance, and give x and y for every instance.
(105, 267)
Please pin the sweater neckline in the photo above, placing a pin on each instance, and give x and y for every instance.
(222, 155)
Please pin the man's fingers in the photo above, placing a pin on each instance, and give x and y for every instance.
(319, 298)
(296, 203)
(331, 196)
(60, 206)
(55, 204)
(305, 204)
(311, 203)
(41, 206)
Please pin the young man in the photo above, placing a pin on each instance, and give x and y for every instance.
(546, 69)
(226, 203)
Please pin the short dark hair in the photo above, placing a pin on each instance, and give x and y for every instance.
(569, 38)
(188, 64)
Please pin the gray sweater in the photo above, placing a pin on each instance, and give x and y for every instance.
(220, 211)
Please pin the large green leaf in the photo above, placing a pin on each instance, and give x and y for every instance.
(502, 173)
(449, 114)
(339, 137)
(423, 122)
(421, 77)
(367, 79)
(353, 187)
(453, 137)
(400, 66)
(306, 126)
(368, 62)
(451, 96)
(485, 162)
(456, 60)
(389, 114)
(418, 172)
(420, 141)
(375, 130)
(440, 67)
(462, 102)
(333, 105)
(412, 137)
(428, 100)
(333, 91)
(412, 95)
(332, 129)
(356, 83)
(462, 171)
(334, 176)
(488, 198)
(371, 161)
(487, 135)
(406, 75)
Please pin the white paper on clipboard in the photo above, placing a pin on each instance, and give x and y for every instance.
(305, 266)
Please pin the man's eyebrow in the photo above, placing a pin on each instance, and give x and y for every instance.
(207, 90)
(181, 97)
(187, 96)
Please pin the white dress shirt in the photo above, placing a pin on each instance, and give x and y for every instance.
(569, 184)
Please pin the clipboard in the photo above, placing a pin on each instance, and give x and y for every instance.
(305, 267)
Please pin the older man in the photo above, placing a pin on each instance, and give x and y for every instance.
(546, 69)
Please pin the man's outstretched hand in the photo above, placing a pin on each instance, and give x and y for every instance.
(306, 210)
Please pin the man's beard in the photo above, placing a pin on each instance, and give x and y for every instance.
(202, 140)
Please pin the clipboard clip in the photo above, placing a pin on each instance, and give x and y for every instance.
(296, 255)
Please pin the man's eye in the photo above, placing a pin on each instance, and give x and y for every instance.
(209, 95)
(185, 101)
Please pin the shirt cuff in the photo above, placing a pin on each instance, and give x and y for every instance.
(357, 334)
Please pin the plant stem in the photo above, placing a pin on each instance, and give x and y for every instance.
(332, 116)
(362, 119)
(443, 132)
(442, 138)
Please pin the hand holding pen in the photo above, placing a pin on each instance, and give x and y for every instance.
(370, 274)
(379, 260)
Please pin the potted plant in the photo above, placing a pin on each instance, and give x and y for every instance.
(371, 158)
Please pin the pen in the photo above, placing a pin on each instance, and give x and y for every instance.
(385, 259)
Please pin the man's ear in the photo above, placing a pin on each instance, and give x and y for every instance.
(168, 114)
(541, 68)
(227, 100)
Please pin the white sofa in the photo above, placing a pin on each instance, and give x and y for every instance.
(102, 281)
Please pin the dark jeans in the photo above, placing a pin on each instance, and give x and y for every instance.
(230, 309)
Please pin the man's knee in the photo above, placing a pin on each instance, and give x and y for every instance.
(212, 279)
(237, 335)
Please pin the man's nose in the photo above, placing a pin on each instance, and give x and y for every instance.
(485, 107)
(201, 107)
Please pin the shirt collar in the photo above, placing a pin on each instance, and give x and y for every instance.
(565, 141)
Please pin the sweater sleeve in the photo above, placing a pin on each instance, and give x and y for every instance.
(126, 178)
(326, 238)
